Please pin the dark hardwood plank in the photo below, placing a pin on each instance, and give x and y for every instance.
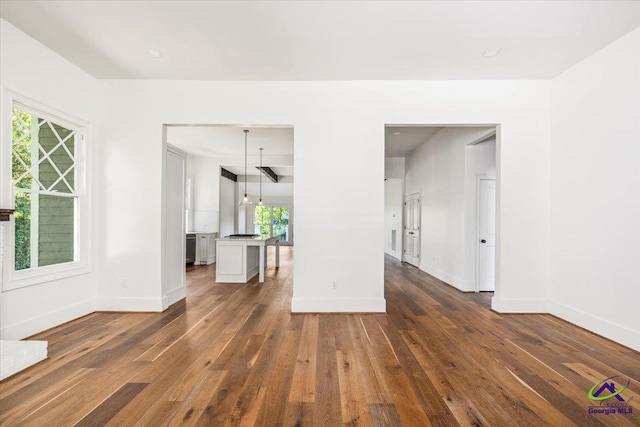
(110, 407)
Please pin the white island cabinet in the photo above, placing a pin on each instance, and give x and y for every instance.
(206, 248)
(240, 258)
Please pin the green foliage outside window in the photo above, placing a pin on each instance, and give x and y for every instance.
(280, 221)
(266, 217)
(262, 218)
(21, 137)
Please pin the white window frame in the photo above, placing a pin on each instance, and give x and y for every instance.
(13, 279)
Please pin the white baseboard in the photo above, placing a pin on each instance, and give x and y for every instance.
(16, 356)
(599, 325)
(175, 296)
(129, 304)
(520, 305)
(338, 305)
(455, 281)
(396, 255)
(46, 321)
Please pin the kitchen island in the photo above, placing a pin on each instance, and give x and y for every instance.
(240, 257)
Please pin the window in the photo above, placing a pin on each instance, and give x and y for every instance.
(272, 221)
(47, 179)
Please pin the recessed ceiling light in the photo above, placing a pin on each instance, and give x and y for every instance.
(396, 133)
(155, 53)
(492, 51)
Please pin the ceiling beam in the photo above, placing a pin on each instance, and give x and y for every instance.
(230, 175)
(269, 173)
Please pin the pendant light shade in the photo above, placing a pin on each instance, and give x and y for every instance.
(245, 200)
(260, 202)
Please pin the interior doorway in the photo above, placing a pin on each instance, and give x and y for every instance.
(411, 235)
(218, 166)
(439, 167)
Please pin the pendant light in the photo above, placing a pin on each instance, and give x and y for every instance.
(260, 202)
(245, 201)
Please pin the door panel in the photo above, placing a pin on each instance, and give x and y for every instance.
(174, 274)
(412, 213)
(487, 235)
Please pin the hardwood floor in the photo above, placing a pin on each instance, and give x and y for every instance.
(232, 354)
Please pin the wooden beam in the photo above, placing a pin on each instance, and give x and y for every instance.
(269, 173)
(230, 175)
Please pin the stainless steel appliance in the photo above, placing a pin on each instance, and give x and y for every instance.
(191, 248)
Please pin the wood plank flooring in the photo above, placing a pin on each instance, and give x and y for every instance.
(233, 355)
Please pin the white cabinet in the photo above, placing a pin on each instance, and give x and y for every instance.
(206, 248)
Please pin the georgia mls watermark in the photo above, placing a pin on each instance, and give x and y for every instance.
(607, 394)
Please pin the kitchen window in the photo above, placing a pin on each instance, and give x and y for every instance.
(273, 221)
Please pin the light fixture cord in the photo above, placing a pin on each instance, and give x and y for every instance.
(246, 132)
(261, 174)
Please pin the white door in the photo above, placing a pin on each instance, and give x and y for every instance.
(412, 213)
(487, 235)
(175, 244)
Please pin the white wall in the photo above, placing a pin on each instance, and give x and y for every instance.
(438, 170)
(394, 170)
(274, 192)
(205, 184)
(595, 192)
(32, 70)
(394, 167)
(228, 202)
(204, 173)
(341, 124)
(393, 202)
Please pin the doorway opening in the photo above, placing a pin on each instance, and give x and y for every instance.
(222, 163)
(441, 193)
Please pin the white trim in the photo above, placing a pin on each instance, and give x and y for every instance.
(520, 305)
(455, 281)
(129, 304)
(81, 265)
(35, 201)
(48, 320)
(171, 296)
(596, 324)
(17, 356)
(496, 289)
(338, 305)
(46, 192)
(175, 296)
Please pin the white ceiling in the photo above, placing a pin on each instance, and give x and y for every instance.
(226, 144)
(402, 141)
(321, 40)
(228, 141)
